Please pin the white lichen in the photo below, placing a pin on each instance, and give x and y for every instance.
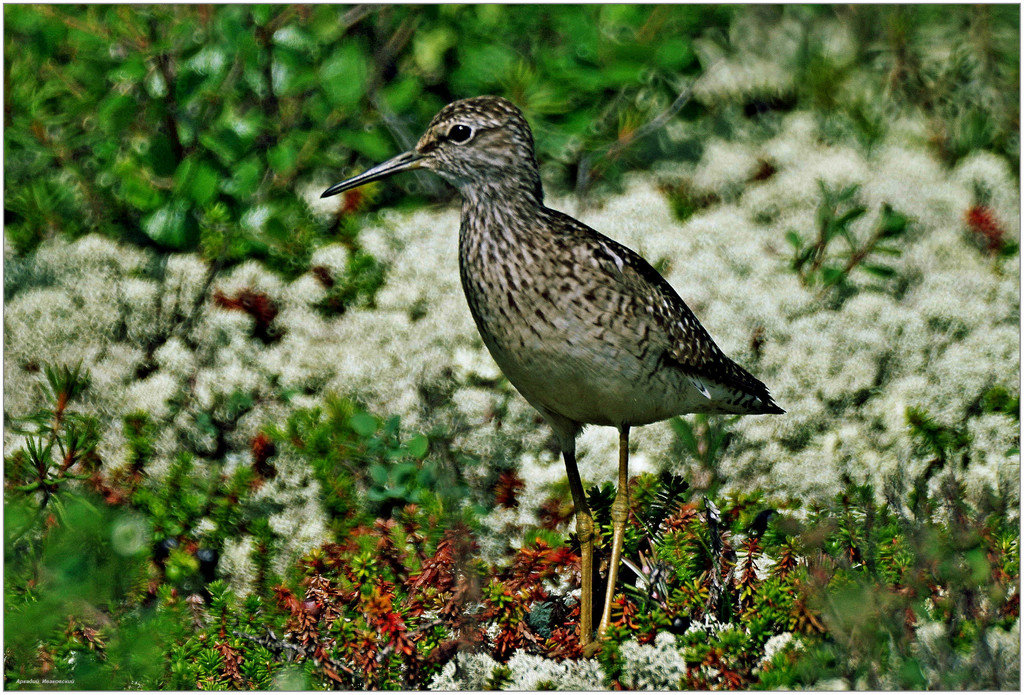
(657, 666)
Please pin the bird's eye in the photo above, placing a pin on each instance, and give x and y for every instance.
(459, 133)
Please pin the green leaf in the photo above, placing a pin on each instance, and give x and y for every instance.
(404, 474)
(171, 226)
(402, 93)
(429, 47)
(850, 215)
(379, 474)
(282, 157)
(116, 112)
(203, 186)
(794, 239)
(373, 144)
(481, 67)
(674, 53)
(882, 271)
(140, 193)
(887, 251)
(418, 446)
(160, 156)
(343, 76)
(131, 70)
(684, 432)
(893, 223)
(245, 178)
(224, 143)
(831, 276)
(261, 13)
(293, 37)
(848, 192)
(364, 424)
(1008, 249)
(425, 478)
(623, 74)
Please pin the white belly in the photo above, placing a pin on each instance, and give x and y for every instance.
(595, 385)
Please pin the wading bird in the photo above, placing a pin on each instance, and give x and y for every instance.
(584, 328)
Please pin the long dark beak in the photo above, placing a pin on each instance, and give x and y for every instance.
(403, 162)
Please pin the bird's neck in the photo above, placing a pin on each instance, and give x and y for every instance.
(499, 226)
(501, 207)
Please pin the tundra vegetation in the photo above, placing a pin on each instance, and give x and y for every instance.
(252, 439)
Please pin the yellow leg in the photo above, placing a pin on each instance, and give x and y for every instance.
(585, 531)
(620, 512)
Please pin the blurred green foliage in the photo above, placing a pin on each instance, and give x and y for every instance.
(196, 126)
(176, 125)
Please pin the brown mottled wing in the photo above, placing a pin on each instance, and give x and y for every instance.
(689, 347)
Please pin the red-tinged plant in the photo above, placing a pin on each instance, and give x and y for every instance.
(364, 653)
(256, 304)
(352, 201)
(554, 512)
(388, 621)
(411, 528)
(682, 519)
(111, 494)
(387, 551)
(624, 613)
(323, 275)
(85, 635)
(263, 447)
(231, 661)
(803, 619)
(747, 580)
(328, 598)
(532, 566)
(507, 641)
(982, 223)
(286, 599)
(730, 679)
(564, 641)
(507, 489)
(1011, 609)
(45, 657)
(439, 574)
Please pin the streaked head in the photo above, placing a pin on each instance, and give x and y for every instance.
(482, 141)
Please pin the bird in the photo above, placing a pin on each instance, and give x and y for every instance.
(585, 329)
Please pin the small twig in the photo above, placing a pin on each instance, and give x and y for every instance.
(854, 260)
(655, 124)
(860, 254)
(270, 105)
(356, 15)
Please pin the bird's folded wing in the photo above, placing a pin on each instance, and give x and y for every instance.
(687, 344)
